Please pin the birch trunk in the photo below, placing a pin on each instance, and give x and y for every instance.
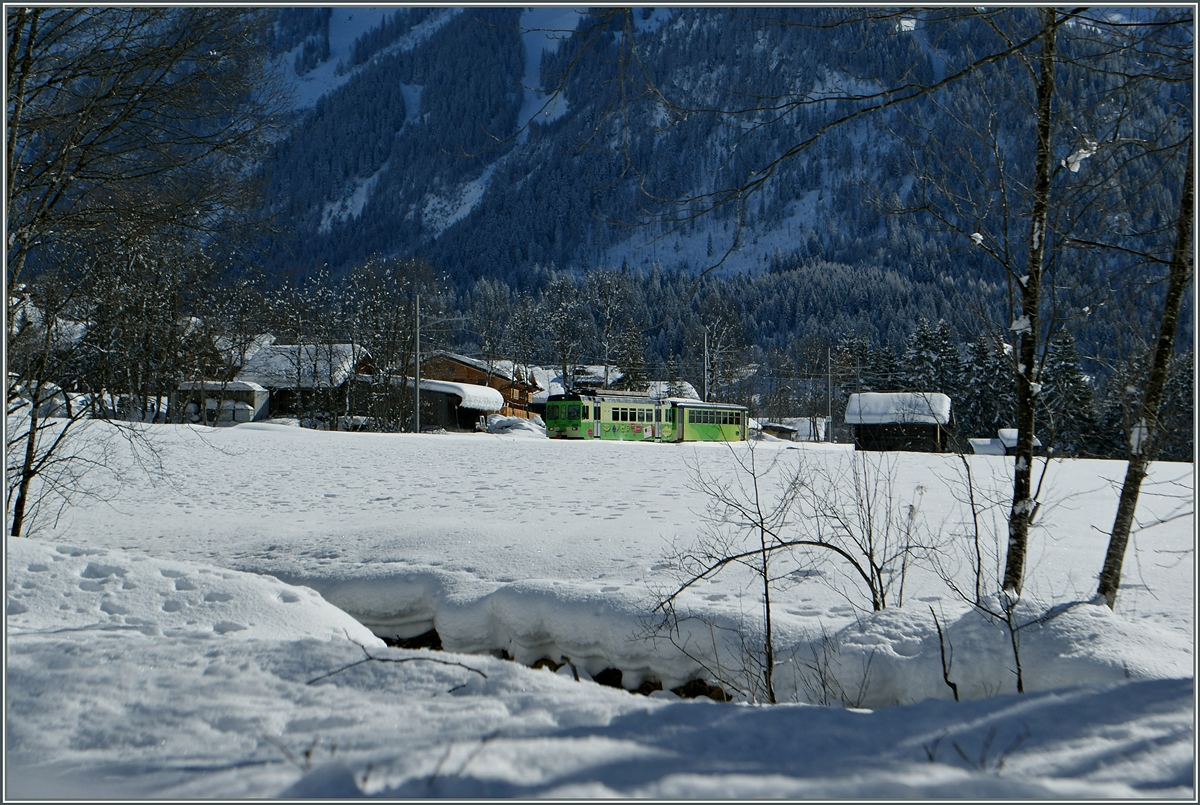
(1139, 458)
(1027, 327)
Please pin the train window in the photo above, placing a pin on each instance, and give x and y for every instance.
(572, 412)
(641, 415)
(658, 415)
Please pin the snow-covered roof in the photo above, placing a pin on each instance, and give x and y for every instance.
(1008, 437)
(987, 447)
(478, 398)
(217, 385)
(240, 349)
(506, 370)
(886, 408)
(320, 365)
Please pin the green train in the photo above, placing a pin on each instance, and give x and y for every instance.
(636, 416)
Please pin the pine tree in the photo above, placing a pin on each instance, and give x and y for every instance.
(1066, 401)
(931, 362)
(987, 402)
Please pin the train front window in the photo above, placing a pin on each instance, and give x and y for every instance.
(572, 412)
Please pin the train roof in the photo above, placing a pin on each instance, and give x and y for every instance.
(692, 402)
(641, 397)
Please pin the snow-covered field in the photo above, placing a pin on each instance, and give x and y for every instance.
(213, 630)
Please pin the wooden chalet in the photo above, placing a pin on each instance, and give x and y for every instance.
(914, 421)
(514, 384)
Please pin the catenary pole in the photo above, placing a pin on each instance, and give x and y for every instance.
(418, 369)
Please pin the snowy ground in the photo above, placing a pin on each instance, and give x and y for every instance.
(205, 632)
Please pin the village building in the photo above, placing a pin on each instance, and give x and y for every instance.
(305, 379)
(915, 421)
(457, 406)
(515, 384)
(215, 402)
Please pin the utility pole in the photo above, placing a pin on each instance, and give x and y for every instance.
(706, 364)
(418, 370)
(829, 394)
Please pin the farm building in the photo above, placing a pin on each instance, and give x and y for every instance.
(515, 385)
(916, 421)
(307, 377)
(214, 402)
(456, 406)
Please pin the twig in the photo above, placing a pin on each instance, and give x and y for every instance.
(946, 663)
(396, 660)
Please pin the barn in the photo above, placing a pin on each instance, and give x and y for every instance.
(307, 378)
(914, 421)
(456, 406)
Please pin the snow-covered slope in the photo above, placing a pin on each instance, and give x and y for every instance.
(157, 645)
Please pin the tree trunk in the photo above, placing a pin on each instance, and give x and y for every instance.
(27, 469)
(1139, 459)
(1022, 504)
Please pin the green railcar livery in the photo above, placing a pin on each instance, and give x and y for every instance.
(630, 416)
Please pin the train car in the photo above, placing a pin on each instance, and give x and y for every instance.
(636, 416)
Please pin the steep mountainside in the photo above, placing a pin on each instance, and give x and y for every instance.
(430, 132)
(410, 140)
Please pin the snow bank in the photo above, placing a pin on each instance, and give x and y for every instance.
(61, 588)
(516, 426)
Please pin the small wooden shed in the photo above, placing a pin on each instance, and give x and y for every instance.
(900, 420)
(456, 406)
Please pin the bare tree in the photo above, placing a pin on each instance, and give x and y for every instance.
(566, 329)
(606, 295)
(1142, 437)
(126, 127)
(781, 522)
